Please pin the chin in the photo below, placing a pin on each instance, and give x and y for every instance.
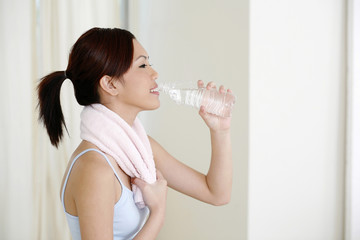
(152, 107)
(155, 107)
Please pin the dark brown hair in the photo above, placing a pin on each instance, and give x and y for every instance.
(98, 52)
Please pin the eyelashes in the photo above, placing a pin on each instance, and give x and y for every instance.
(145, 65)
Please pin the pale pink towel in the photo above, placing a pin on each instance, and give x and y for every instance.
(128, 145)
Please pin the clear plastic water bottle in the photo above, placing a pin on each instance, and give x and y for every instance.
(214, 102)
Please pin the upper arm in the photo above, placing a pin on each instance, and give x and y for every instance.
(94, 197)
(179, 176)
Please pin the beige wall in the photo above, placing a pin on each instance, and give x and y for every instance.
(187, 41)
(286, 63)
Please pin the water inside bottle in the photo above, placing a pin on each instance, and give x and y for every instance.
(213, 101)
(175, 95)
(190, 97)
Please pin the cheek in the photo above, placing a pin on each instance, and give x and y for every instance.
(134, 94)
(135, 81)
(131, 76)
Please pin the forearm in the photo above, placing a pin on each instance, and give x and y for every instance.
(219, 177)
(152, 226)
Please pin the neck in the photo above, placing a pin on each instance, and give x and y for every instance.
(126, 113)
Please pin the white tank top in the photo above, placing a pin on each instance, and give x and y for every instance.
(128, 218)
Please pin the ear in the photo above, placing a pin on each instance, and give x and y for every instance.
(106, 83)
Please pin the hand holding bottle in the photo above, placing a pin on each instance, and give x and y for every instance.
(215, 122)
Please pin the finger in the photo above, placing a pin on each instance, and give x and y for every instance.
(222, 89)
(210, 85)
(204, 115)
(200, 84)
(138, 182)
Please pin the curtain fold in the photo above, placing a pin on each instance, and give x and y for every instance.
(60, 23)
(16, 67)
(36, 37)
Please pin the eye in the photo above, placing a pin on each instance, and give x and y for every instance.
(145, 65)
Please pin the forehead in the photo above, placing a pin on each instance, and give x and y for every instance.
(138, 49)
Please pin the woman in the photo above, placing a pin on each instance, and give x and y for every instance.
(113, 79)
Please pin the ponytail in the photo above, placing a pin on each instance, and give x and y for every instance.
(98, 52)
(50, 112)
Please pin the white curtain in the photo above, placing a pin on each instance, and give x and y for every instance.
(36, 37)
(16, 94)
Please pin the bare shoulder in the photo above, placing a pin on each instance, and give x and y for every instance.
(91, 177)
(92, 192)
(91, 181)
(90, 164)
(91, 169)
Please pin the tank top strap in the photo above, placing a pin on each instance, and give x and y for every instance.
(72, 164)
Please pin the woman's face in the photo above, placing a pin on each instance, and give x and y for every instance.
(139, 82)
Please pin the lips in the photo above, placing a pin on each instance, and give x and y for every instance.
(155, 90)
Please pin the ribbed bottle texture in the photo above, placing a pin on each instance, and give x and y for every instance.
(214, 102)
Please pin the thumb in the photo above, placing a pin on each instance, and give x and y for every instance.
(139, 182)
(204, 115)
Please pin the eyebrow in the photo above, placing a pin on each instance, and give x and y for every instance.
(142, 56)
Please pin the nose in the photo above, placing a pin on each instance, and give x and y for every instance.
(154, 74)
